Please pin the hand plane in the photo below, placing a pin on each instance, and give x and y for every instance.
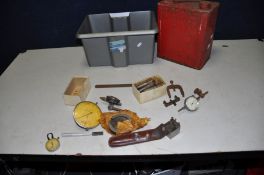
(169, 129)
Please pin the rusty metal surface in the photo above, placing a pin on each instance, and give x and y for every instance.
(186, 31)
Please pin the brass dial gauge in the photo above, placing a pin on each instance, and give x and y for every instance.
(87, 114)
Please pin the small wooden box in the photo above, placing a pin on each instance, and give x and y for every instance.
(152, 93)
(77, 90)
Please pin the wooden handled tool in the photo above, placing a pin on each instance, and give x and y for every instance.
(170, 129)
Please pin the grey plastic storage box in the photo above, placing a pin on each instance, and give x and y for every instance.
(119, 39)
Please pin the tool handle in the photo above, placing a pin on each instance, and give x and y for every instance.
(136, 137)
(97, 133)
(112, 85)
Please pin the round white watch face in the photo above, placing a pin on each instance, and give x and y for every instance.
(191, 103)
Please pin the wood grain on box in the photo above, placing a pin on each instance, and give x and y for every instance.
(77, 90)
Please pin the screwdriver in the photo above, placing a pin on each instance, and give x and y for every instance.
(72, 134)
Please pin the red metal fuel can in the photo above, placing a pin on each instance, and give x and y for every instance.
(186, 31)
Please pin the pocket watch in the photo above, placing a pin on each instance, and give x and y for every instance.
(87, 114)
(191, 103)
(52, 143)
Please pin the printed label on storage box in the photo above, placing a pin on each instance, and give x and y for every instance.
(117, 46)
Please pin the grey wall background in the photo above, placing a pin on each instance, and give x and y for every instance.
(36, 24)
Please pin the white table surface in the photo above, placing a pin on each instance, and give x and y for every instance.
(230, 117)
